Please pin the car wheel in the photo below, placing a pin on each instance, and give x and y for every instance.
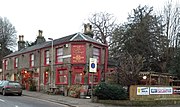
(3, 92)
(19, 94)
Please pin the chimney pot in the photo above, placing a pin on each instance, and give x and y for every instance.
(19, 37)
(22, 38)
(40, 32)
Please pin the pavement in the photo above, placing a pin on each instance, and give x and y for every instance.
(66, 100)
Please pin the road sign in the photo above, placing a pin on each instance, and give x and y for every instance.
(92, 65)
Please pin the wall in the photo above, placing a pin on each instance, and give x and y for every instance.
(164, 93)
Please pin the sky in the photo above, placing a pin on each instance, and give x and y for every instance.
(59, 18)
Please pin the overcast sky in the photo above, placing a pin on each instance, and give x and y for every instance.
(58, 18)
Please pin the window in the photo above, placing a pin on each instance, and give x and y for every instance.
(5, 64)
(96, 77)
(59, 54)
(46, 78)
(62, 76)
(78, 78)
(31, 60)
(78, 75)
(15, 62)
(96, 54)
(46, 58)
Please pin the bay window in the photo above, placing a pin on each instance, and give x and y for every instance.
(78, 75)
(96, 54)
(61, 76)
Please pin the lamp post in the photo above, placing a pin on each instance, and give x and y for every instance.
(52, 72)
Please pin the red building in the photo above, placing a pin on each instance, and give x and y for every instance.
(56, 63)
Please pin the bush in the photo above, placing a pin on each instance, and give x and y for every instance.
(32, 88)
(110, 92)
(74, 91)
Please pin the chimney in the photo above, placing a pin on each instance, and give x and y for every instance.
(21, 42)
(40, 39)
(40, 33)
(88, 30)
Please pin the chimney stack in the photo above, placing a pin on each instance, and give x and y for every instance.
(88, 30)
(40, 39)
(21, 42)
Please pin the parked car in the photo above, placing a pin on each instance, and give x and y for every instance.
(10, 87)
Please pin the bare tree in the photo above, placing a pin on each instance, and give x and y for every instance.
(7, 34)
(172, 30)
(129, 68)
(172, 21)
(103, 26)
(7, 38)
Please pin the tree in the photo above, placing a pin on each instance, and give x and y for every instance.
(7, 38)
(129, 68)
(29, 43)
(172, 21)
(141, 35)
(140, 42)
(103, 25)
(7, 34)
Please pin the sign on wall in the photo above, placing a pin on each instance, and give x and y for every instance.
(93, 65)
(176, 90)
(78, 52)
(142, 90)
(161, 90)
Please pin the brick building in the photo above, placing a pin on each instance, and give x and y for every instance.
(56, 63)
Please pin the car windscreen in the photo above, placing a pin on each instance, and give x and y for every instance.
(14, 84)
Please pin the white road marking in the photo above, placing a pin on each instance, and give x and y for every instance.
(48, 101)
(2, 100)
(16, 106)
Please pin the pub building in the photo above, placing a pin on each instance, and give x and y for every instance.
(58, 62)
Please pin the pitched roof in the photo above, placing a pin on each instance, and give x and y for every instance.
(74, 37)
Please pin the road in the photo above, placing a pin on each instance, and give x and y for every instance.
(24, 101)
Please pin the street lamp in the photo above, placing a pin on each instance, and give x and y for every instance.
(52, 61)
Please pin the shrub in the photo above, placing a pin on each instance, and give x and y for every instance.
(110, 92)
(32, 88)
(74, 91)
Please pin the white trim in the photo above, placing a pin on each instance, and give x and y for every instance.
(77, 35)
(65, 56)
(74, 37)
(83, 36)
